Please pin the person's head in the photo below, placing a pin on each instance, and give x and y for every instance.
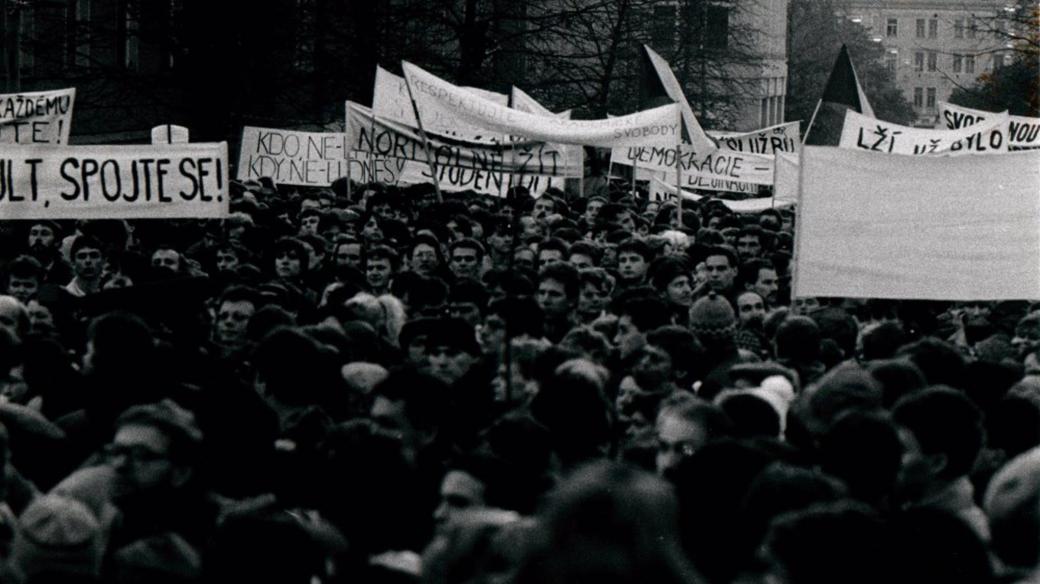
(720, 263)
(166, 258)
(87, 258)
(43, 238)
(797, 339)
(347, 252)
(234, 309)
(862, 448)
(942, 435)
(228, 256)
(310, 217)
(24, 276)
(380, 266)
(1012, 505)
(524, 258)
(467, 301)
(543, 207)
(1027, 335)
(596, 287)
(521, 315)
(559, 288)
(290, 258)
(451, 349)
(749, 242)
(684, 425)
(670, 276)
(634, 257)
(14, 316)
(751, 309)
(760, 276)
(583, 254)
(551, 250)
(466, 255)
(425, 257)
(592, 208)
(154, 450)
(412, 403)
(637, 316)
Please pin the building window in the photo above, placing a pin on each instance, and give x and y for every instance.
(919, 30)
(892, 60)
(131, 31)
(958, 28)
(892, 29)
(931, 98)
(933, 60)
(919, 61)
(918, 97)
(933, 28)
(972, 27)
(764, 114)
(969, 64)
(958, 63)
(82, 24)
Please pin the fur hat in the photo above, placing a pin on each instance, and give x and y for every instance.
(712, 317)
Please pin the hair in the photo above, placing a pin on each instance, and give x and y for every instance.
(666, 269)
(798, 339)
(940, 362)
(637, 246)
(469, 291)
(468, 243)
(586, 248)
(862, 448)
(381, 252)
(749, 271)
(710, 417)
(943, 421)
(25, 266)
(565, 274)
(521, 314)
(722, 250)
(86, 242)
(598, 278)
(553, 243)
(646, 312)
(241, 294)
(589, 342)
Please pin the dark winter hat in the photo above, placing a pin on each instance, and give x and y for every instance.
(454, 333)
(57, 535)
(712, 317)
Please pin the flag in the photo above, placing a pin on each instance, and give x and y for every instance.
(842, 92)
(659, 86)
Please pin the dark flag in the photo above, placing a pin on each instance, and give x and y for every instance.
(842, 92)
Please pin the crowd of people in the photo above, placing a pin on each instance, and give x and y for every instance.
(371, 384)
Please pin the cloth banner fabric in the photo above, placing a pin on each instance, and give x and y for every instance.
(694, 132)
(935, 228)
(744, 206)
(779, 138)
(398, 171)
(39, 117)
(520, 100)
(721, 164)
(289, 157)
(114, 182)
(866, 133)
(785, 184)
(442, 104)
(697, 182)
(368, 133)
(170, 134)
(1024, 132)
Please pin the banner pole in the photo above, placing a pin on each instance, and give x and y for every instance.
(635, 171)
(426, 143)
(581, 179)
(811, 120)
(678, 185)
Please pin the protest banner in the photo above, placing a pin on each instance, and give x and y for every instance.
(288, 157)
(890, 226)
(722, 164)
(399, 171)
(1024, 132)
(522, 101)
(744, 206)
(169, 134)
(41, 117)
(441, 102)
(866, 133)
(778, 138)
(368, 133)
(785, 183)
(109, 182)
(390, 100)
(670, 84)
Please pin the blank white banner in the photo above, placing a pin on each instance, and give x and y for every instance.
(939, 228)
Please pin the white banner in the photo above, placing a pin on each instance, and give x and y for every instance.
(1024, 132)
(785, 185)
(935, 228)
(729, 165)
(170, 134)
(442, 104)
(41, 117)
(398, 171)
(861, 132)
(288, 157)
(124, 182)
(387, 138)
(745, 206)
(673, 88)
(525, 103)
(779, 138)
(390, 100)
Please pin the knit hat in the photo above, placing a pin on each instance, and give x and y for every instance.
(712, 317)
(57, 535)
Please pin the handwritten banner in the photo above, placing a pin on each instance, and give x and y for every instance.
(398, 171)
(289, 157)
(108, 182)
(42, 117)
(727, 165)
(861, 132)
(368, 133)
(1024, 132)
(522, 101)
(778, 138)
(444, 103)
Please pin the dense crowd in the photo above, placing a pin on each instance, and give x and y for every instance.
(371, 384)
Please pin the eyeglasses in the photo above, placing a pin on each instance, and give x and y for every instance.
(132, 454)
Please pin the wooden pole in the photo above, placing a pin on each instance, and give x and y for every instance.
(811, 120)
(426, 145)
(678, 184)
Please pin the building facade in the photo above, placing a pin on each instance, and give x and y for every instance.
(935, 46)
